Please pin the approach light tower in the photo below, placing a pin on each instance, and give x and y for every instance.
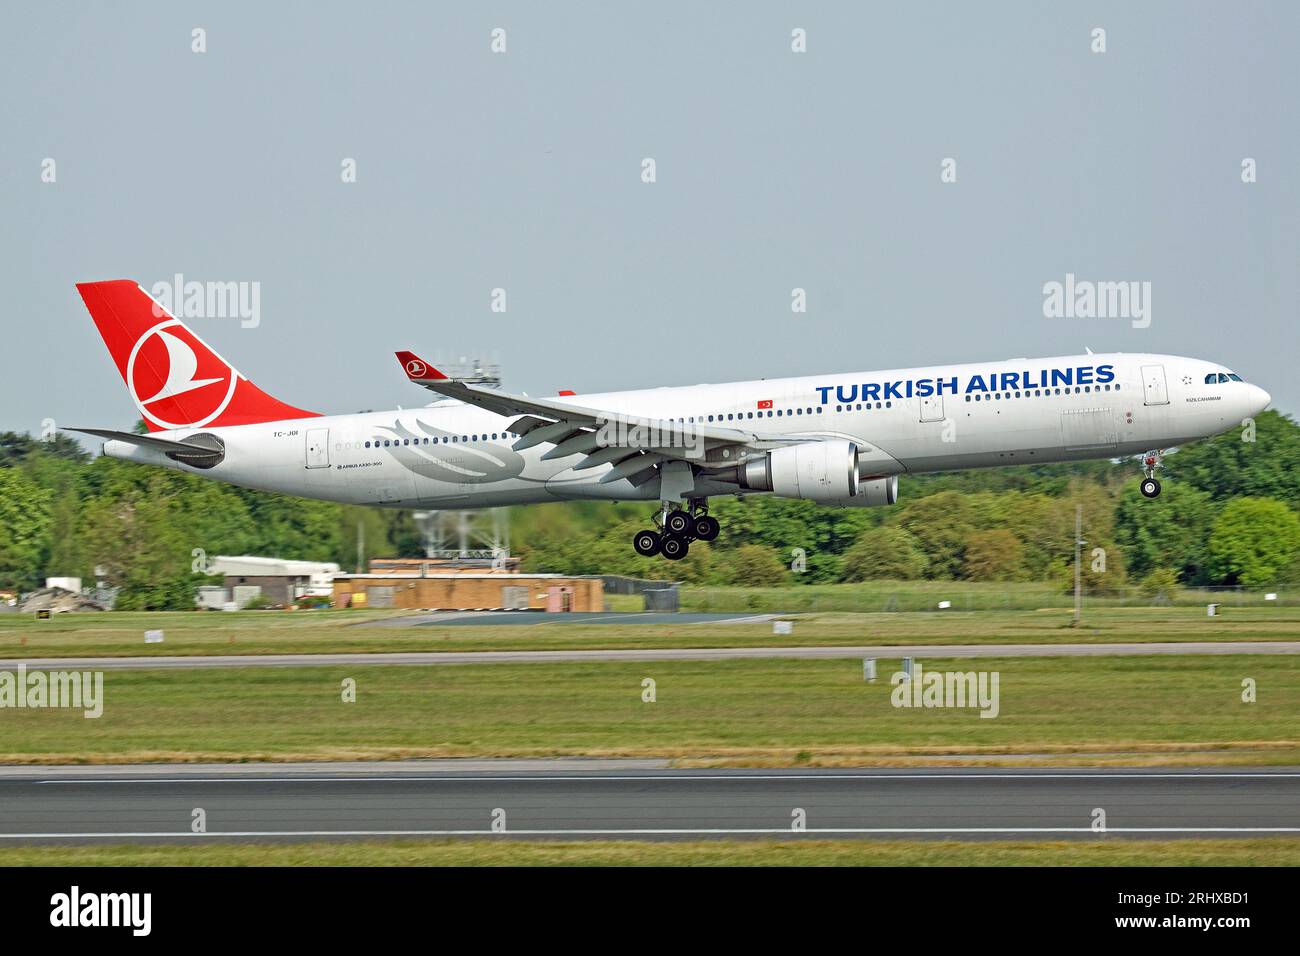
(466, 535)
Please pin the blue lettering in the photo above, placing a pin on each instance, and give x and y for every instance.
(825, 390)
(846, 395)
(871, 391)
(891, 390)
(1105, 373)
(976, 384)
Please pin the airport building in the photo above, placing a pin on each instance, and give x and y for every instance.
(281, 581)
(433, 586)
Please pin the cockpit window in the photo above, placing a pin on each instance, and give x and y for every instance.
(1234, 376)
(1215, 378)
(1222, 377)
(1211, 379)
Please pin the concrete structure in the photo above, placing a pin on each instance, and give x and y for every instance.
(469, 590)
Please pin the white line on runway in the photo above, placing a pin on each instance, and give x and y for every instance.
(650, 778)
(845, 831)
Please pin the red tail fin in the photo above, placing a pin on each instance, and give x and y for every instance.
(175, 379)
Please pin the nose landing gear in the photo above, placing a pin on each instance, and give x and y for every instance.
(675, 529)
(1150, 486)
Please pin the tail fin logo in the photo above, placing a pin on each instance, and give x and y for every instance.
(416, 369)
(175, 380)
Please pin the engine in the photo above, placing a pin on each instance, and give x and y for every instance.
(872, 493)
(825, 471)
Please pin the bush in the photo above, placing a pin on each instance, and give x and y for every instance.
(1161, 580)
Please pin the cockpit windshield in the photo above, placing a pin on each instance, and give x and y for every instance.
(1215, 378)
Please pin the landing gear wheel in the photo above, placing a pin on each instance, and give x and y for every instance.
(673, 548)
(706, 528)
(677, 522)
(1150, 487)
(646, 543)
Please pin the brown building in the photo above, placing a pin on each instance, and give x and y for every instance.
(470, 589)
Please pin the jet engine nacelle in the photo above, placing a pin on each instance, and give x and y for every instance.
(872, 493)
(825, 471)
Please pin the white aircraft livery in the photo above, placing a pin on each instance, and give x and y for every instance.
(840, 440)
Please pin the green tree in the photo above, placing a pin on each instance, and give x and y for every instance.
(996, 555)
(24, 522)
(753, 565)
(1254, 541)
(1171, 531)
(885, 553)
(1227, 466)
(940, 524)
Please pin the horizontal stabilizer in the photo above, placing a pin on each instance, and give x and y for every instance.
(149, 441)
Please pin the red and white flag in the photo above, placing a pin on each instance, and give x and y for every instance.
(765, 403)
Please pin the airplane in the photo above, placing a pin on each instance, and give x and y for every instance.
(841, 440)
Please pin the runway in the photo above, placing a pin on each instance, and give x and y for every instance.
(617, 800)
(883, 651)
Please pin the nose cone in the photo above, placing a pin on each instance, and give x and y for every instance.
(1259, 399)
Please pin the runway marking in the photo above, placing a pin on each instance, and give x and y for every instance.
(710, 831)
(735, 778)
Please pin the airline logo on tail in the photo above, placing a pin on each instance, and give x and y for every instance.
(164, 364)
(175, 379)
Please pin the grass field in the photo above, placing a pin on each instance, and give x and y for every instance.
(1279, 851)
(310, 632)
(1119, 710)
(874, 596)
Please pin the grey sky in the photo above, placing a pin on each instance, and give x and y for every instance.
(775, 170)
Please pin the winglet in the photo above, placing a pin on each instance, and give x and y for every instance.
(417, 369)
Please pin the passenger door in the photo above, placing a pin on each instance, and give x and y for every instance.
(1154, 389)
(318, 448)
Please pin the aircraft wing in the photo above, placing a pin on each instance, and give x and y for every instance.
(633, 444)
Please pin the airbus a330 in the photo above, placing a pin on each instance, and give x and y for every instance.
(841, 440)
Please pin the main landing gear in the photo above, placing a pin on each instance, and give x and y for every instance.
(1150, 486)
(675, 529)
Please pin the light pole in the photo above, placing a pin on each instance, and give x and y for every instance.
(1078, 569)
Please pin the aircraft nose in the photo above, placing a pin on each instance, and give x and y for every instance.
(1259, 399)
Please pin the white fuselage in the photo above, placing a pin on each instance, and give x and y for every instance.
(453, 455)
